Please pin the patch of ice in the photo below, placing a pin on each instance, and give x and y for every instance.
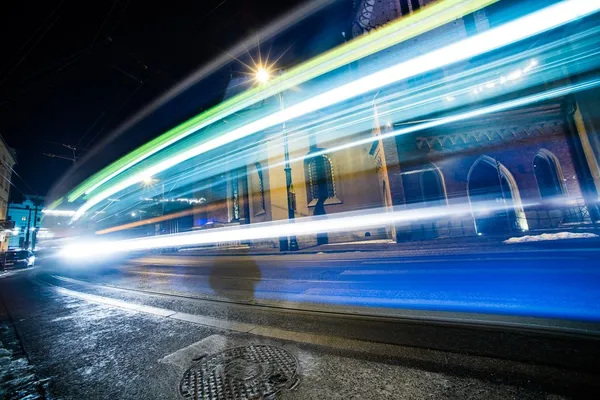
(550, 236)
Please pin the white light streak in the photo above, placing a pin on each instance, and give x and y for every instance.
(60, 213)
(342, 222)
(302, 226)
(513, 76)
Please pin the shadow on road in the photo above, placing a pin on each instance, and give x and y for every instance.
(234, 280)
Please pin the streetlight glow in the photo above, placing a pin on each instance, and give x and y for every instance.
(262, 75)
(148, 180)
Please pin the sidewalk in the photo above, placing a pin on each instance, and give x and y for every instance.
(17, 376)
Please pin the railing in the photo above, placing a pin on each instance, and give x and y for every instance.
(552, 215)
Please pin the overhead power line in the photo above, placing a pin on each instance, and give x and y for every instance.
(54, 11)
(18, 176)
(104, 22)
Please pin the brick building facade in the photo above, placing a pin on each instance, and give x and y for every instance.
(526, 158)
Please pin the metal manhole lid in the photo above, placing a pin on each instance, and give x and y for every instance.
(248, 372)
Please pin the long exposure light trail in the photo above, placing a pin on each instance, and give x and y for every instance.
(508, 33)
(550, 94)
(409, 104)
(539, 97)
(303, 226)
(397, 32)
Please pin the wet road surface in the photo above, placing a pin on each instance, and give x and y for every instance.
(131, 330)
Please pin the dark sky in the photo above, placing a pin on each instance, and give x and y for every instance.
(72, 71)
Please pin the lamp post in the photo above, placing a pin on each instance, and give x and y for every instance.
(149, 181)
(262, 76)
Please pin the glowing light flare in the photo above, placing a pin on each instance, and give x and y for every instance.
(262, 75)
(148, 180)
(508, 33)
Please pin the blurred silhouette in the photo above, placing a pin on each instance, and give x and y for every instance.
(234, 279)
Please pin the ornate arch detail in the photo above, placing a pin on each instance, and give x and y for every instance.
(440, 176)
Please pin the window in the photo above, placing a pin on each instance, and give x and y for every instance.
(548, 174)
(321, 179)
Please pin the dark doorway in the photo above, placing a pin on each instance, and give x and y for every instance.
(547, 174)
(488, 185)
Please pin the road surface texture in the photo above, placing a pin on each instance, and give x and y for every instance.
(309, 326)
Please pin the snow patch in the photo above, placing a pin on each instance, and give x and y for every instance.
(363, 242)
(550, 236)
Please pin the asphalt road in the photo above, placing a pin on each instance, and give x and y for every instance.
(358, 325)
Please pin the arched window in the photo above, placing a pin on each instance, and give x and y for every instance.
(548, 174)
(494, 197)
(259, 191)
(321, 178)
(432, 187)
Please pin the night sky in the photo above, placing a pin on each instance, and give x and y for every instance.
(73, 71)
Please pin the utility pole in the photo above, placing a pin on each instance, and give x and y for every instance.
(73, 149)
(27, 231)
(73, 159)
(291, 196)
(35, 232)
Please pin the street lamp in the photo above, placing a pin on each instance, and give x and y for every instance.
(149, 181)
(262, 76)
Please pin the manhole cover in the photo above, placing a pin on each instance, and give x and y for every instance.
(248, 372)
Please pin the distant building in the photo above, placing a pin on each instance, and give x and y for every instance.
(26, 217)
(7, 161)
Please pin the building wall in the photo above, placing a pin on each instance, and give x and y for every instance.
(7, 161)
(511, 139)
(354, 179)
(24, 216)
